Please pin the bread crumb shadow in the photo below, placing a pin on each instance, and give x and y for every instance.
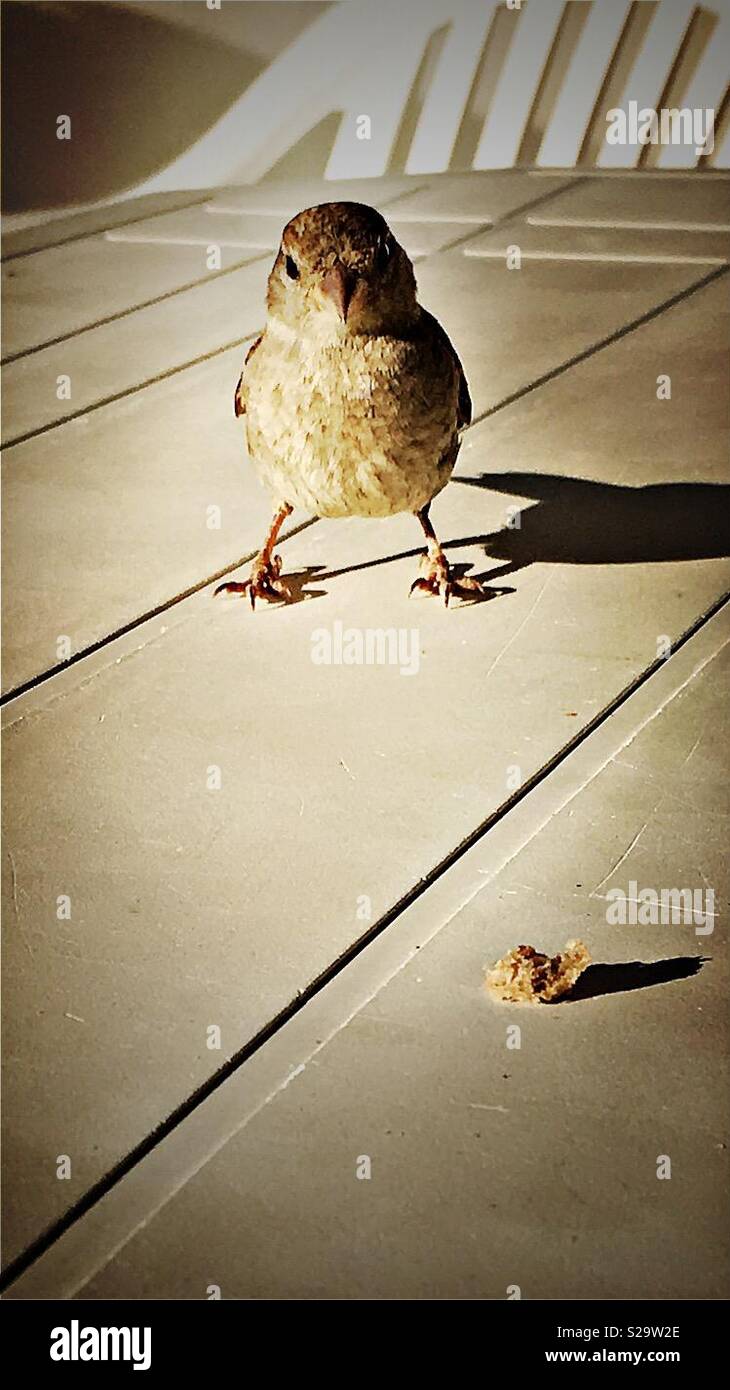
(630, 975)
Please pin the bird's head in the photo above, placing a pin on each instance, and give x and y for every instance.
(340, 269)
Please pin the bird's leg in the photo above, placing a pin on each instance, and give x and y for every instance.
(264, 580)
(437, 578)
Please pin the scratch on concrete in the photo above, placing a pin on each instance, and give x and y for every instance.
(16, 906)
(518, 629)
(14, 880)
(49, 699)
(620, 860)
(693, 750)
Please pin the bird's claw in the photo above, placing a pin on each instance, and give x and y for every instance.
(433, 587)
(438, 580)
(263, 582)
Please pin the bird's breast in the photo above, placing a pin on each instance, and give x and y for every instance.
(350, 425)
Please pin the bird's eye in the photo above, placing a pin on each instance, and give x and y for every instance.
(382, 255)
(292, 269)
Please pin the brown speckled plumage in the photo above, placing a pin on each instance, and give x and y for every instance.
(353, 395)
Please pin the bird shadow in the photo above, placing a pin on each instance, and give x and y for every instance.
(580, 522)
(630, 975)
(470, 598)
(573, 521)
(295, 580)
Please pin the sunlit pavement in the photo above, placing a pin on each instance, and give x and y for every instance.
(255, 864)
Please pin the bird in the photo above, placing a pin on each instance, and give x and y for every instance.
(353, 397)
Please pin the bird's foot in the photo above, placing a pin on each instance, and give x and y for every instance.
(440, 580)
(263, 582)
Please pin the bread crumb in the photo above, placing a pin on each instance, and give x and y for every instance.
(525, 976)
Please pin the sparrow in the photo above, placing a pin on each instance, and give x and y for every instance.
(353, 396)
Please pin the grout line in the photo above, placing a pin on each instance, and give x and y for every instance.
(625, 225)
(261, 253)
(514, 215)
(128, 391)
(155, 1137)
(98, 231)
(496, 253)
(135, 308)
(397, 215)
(240, 243)
(277, 211)
(164, 607)
(603, 343)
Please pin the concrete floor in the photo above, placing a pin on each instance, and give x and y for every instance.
(377, 837)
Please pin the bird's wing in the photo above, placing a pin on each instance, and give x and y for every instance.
(464, 410)
(464, 406)
(239, 405)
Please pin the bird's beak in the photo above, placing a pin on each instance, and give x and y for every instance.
(338, 285)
